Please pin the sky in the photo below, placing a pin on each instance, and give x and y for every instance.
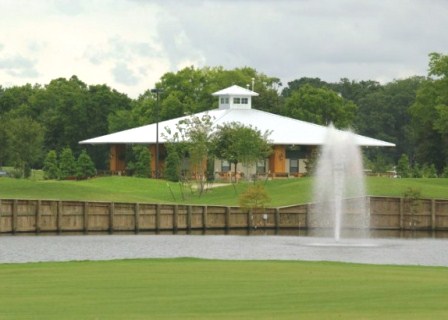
(130, 44)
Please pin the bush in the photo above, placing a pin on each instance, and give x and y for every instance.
(403, 167)
(429, 171)
(445, 172)
(172, 168)
(67, 164)
(51, 167)
(85, 166)
(140, 164)
(255, 197)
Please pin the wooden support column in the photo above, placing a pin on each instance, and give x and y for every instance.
(137, 218)
(249, 219)
(204, 218)
(59, 216)
(38, 215)
(14, 217)
(0, 216)
(227, 220)
(175, 218)
(189, 219)
(158, 218)
(277, 220)
(86, 217)
(433, 214)
(401, 214)
(111, 217)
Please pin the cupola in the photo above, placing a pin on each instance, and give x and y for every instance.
(235, 97)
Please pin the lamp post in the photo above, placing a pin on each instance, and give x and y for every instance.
(157, 91)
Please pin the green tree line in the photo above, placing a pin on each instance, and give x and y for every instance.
(411, 112)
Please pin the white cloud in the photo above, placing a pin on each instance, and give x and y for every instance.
(129, 45)
(18, 66)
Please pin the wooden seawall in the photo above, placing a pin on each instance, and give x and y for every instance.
(36, 216)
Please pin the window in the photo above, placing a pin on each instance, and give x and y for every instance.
(236, 100)
(244, 100)
(222, 100)
(225, 166)
(293, 166)
(261, 167)
(226, 100)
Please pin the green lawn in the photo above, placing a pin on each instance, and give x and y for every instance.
(127, 189)
(211, 289)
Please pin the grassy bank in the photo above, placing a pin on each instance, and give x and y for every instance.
(203, 289)
(127, 189)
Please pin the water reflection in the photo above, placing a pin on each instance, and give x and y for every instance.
(319, 233)
(316, 232)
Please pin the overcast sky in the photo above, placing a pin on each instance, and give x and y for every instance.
(130, 44)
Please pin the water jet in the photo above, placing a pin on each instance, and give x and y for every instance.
(339, 200)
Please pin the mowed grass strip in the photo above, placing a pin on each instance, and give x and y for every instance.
(211, 289)
(283, 192)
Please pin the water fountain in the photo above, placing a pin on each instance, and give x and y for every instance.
(339, 191)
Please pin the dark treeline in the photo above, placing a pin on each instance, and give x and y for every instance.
(412, 112)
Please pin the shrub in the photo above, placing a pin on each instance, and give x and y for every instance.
(140, 164)
(255, 197)
(429, 171)
(51, 168)
(67, 164)
(403, 167)
(85, 166)
(445, 172)
(172, 168)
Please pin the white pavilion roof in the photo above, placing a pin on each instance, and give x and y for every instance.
(284, 130)
(235, 91)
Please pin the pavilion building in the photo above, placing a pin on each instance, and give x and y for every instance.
(292, 140)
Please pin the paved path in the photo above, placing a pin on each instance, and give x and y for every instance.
(19, 249)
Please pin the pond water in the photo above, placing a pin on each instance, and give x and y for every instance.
(416, 249)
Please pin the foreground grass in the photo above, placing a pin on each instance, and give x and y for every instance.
(127, 189)
(210, 289)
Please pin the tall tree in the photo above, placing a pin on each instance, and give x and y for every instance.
(190, 90)
(321, 106)
(429, 115)
(384, 114)
(24, 143)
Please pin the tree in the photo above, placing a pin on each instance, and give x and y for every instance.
(384, 114)
(429, 115)
(140, 164)
(254, 198)
(85, 166)
(298, 83)
(403, 167)
(24, 143)
(238, 143)
(172, 164)
(321, 106)
(51, 166)
(67, 164)
(3, 143)
(192, 140)
(190, 90)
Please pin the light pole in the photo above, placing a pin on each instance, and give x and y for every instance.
(157, 91)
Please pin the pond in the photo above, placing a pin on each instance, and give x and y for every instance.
(416, 249)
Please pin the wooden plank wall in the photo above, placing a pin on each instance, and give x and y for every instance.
(36, 216)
